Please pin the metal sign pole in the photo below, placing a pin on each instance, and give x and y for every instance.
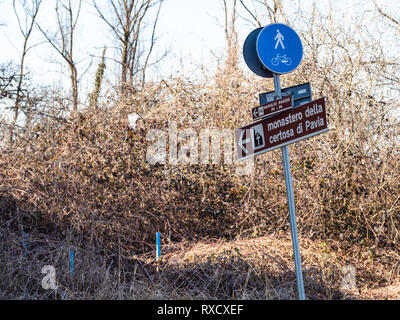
(292, 210)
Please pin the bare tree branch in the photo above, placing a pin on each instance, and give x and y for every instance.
(251, 13)
(65, 44)
(126, 22)
(26, 31)
(386, 15)
(152, 43)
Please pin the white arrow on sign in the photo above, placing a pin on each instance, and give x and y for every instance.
(242, 142)
(255, 113)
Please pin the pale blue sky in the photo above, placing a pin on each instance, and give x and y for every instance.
(188, 29)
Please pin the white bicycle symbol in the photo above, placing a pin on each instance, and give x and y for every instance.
(281, 58)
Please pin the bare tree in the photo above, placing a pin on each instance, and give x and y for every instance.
(63, 40)
(127, 24)
(274, 9)
(94, 96)
(8, 81)
(151, 43)
(31, 9)
(386, 15)
(231, 37)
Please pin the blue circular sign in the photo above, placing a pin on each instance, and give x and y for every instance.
(251, 57)
(279, 48)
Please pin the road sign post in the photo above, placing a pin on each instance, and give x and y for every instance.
(292, 209)
(284, 116)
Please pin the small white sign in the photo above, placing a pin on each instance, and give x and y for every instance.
(258, 136)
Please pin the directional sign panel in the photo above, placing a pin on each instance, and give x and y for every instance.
(272, 107)
(281, 129)
(279, 48)
(301, 94)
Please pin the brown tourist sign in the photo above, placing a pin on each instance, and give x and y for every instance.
(272, 108)
(281, 129)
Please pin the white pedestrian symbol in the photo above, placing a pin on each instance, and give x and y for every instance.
(279, 37)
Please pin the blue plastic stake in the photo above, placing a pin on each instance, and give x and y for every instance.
(71, 261)
(158, 251)
(23, 243)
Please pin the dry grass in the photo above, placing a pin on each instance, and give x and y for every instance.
(259, 268)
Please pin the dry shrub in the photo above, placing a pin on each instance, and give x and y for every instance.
(91, 174)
